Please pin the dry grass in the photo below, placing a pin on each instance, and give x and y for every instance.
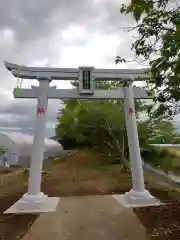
(174, 152)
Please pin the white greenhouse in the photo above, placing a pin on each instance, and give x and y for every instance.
(20, 146)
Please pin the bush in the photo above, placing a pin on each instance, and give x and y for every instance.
(71, 143)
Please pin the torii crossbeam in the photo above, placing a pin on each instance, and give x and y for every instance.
(34, 200)
(73, 73)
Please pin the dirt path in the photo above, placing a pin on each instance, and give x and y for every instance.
(87, 218)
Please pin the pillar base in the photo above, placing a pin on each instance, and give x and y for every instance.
(137, 199)
(34, 204)
(37, 198)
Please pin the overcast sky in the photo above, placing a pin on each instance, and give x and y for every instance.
(56, 33)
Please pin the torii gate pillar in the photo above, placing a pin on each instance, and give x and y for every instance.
(34, 191)
(35, 200)
(138, 195)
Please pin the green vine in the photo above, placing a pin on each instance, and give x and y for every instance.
(18, 87)
(3, 150)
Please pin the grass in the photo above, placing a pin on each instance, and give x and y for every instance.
(167, 158)
(8, 170)
(85, 173)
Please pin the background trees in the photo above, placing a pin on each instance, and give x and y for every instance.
(101, 125)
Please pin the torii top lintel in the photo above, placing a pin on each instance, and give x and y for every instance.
(73, 73)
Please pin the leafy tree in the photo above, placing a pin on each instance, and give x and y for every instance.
(158, 44)
(96, 123)
(159, 131)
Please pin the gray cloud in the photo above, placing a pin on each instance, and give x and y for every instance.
(32, 20)
(35, 23)
(20, 115)
(32, 31)
(111, 20)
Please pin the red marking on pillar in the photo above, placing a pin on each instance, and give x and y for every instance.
(131, 110)
(40, 110)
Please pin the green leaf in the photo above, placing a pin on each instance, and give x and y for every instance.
(137, 13)
(178, 27)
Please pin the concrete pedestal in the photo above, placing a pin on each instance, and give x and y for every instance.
(34, 204)
(137, 199)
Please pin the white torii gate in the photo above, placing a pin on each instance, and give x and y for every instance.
(35, 200)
